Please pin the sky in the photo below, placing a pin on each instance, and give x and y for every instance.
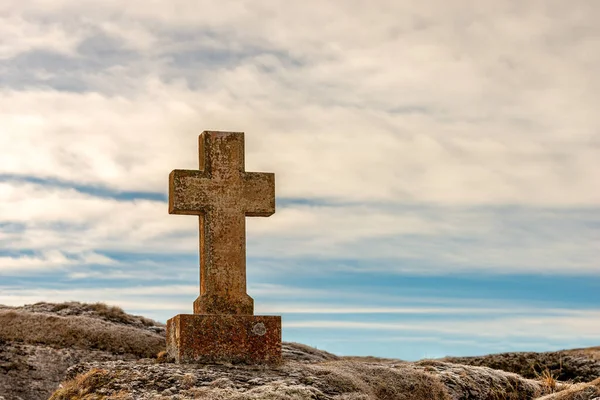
(437, 163)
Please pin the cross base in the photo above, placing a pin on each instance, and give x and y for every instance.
(210, 338)
(242, 304)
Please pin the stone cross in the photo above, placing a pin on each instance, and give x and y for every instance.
(222, 194)
(223, 327)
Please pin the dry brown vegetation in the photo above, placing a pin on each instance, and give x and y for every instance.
(590, 352)
(329, 380)
(486, 382)
(48, 338)
(93, 310)
(549, 380)
(375, 381)
(79, 332)
(114, 314)
(85, 387)
(39, 342)
(340, 379)
(580, 391)
(350, 381)
(575, 366)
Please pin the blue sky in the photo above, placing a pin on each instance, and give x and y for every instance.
(436, 164)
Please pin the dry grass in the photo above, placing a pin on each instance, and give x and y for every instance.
(372, 359)
(304, 353)
(590, 352)
(580, 391)
(162, 357)
(122, 395)
(484, 382)
(77, 331)
(117, 315)
(276, 391)
(188, 381)
(82, 386)
(94, 310)
(340, 380)
(379, 382)
(579, 365)
(85, 386)
(548, 379)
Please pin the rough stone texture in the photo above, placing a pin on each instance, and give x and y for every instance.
(222, 194)
(570, 365)
(31, 371)
(39, 342)
(79, 332)
(466, 382)
(231, 338)
(305, 354)
(580, 391)
(333, 380)
(99, 311)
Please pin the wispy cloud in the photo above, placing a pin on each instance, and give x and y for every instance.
(428, 139)
(549, 328)
(402, 237)
(491, 126)
(51, 259)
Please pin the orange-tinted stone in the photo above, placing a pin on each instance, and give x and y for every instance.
(223, 194)
(249, 339)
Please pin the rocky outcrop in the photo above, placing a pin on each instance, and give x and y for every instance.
(101, 352)
(39, 342)
(34, 371)
(567, 366)
(297, 379)
(581, 391)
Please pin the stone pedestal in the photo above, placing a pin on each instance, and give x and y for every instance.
(208, 338)
(222, 194)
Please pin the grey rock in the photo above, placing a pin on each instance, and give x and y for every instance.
(33, 364)
(563, 365)
(35, 353)
(338, 379)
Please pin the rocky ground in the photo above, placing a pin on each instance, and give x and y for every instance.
(100, 352)
(568, 366)
(39, 342)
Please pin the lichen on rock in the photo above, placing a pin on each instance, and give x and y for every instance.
(101, 352)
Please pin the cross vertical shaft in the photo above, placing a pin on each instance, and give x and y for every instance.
(223, 265)
(222, 194)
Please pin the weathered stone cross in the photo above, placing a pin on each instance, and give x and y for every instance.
(222, 194)
(223, 326)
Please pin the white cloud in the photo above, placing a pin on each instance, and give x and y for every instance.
(131, 144)
(324, 308)
(56, 218)
(272, 296)
(493, 322)
(49, 259)
(130, 298)
(547, 327)
(384, 236)
(19, 35)
(502, 100)
(460, 108)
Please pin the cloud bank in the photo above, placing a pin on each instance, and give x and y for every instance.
(407, 139)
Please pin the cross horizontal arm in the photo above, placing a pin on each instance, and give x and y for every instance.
(259, 194)
(189, 192)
